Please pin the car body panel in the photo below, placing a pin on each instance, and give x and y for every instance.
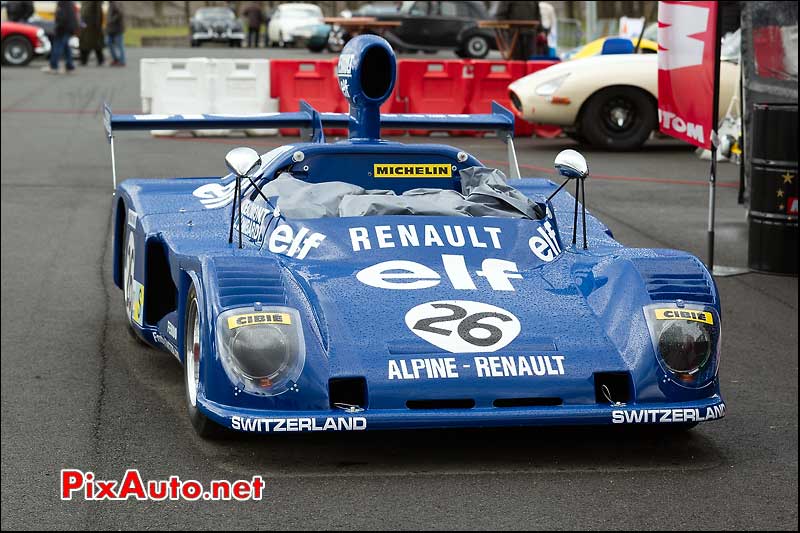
(594, 48)
(293, 22)
(543, 327)
(582, 311)
(587, 76)
(40, 44)
(215, 24)
(438, 26)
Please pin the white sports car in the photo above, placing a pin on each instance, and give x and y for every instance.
(609, 101)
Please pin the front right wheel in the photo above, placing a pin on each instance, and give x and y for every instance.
(193, 351)
(619, 118)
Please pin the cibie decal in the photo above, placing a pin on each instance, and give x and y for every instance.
(461, 326)
(409, 170)
(256, 319)
(545, 245)
(215, 195)
(684, 314)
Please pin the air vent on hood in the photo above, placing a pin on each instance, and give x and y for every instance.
(244, 281)
(676, 279)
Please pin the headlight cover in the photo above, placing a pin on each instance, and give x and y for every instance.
(686, 339)
(549, 88)
(262, 349)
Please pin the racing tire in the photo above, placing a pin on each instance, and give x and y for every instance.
(618, 119)
(17, 51)
(476, 47)
(192, 343)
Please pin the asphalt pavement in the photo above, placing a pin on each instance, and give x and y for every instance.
(79, 392)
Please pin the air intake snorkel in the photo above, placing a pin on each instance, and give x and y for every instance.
(367, 71)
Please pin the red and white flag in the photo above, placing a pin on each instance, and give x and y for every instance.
(687, 33)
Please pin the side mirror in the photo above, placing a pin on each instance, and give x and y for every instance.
(571, 164)
(242, 161)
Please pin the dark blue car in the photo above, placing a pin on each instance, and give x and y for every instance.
(368, 284)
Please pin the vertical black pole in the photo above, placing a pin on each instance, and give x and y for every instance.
(233, 216)
(575, 218)
(583, 211)
(238, 196)
(712, 178)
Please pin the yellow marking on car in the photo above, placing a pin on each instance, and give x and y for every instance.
(257, 319)
(684, 314)
(410, 170)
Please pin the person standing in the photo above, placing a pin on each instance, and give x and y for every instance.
(115, 31)
(91, 34)
(255, 18)
(19, 11)
(527, 37)
(66, 25)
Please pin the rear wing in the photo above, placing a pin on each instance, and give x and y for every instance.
(311, 123)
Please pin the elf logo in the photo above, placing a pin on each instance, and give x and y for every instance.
(679, 44)
(545, 244)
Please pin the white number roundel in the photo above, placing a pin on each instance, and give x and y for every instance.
(461, 326)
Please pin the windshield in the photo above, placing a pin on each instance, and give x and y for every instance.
(215, 13)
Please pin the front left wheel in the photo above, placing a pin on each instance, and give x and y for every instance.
(17, 51)
(193, 351)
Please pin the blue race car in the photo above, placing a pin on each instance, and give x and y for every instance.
(368, 284)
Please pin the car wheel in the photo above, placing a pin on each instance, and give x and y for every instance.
(619, 118)
(195, 44)
(17, 51)
(477, 47)
(460, 53)
(191, 368)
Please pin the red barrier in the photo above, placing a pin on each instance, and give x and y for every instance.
(430, 86)
(314, 81)
(423, 86)
(491, 80)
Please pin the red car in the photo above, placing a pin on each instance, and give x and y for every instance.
(21, 42)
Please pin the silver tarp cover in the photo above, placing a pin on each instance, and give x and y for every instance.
(484, 193)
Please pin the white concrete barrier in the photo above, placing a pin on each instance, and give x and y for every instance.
(241, 87)
(202, 85)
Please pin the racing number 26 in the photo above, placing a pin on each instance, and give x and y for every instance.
(479, 326)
